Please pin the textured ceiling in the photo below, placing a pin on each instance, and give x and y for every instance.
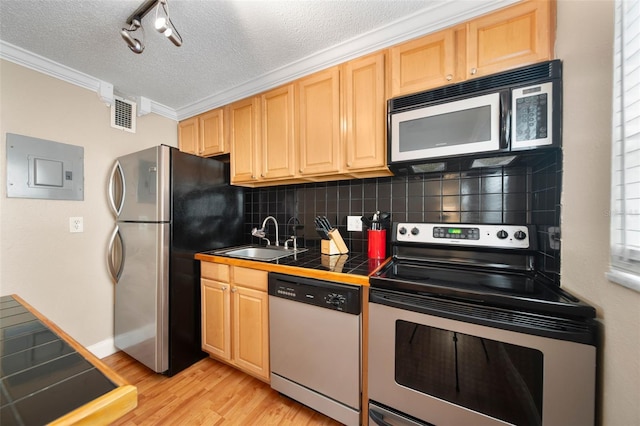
(226, 44)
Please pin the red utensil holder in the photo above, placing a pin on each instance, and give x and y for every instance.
(377, 243)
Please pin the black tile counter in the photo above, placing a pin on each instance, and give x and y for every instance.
(350, 268)
(47, 377)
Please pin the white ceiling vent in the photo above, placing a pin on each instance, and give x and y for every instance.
(123, 115)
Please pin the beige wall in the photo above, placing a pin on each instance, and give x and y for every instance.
(584, 43)
(61, 274)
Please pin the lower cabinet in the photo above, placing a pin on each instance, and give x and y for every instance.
(235, 317)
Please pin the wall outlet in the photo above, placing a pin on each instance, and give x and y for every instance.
(354, 223)
(76, 224)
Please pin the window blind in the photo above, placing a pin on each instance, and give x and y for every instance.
(625, 191)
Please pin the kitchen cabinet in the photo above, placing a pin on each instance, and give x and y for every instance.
(188, 135)
(515, 36)
(364, 115)
(243, 138)
(277, 138)
(235, 317)
(204, 134)
(430, 61)
(211, 133)
(318, 117)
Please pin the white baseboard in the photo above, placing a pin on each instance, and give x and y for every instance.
(103, 348)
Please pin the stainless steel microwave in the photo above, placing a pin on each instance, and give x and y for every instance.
(486, 121)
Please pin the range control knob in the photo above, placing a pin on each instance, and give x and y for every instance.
(502, 234)
(415, 231)
(402, 230)
(519, 235)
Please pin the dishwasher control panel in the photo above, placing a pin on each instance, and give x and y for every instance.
(324, 294)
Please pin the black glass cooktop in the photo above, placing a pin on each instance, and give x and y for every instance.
(41, 376)
(526, 291)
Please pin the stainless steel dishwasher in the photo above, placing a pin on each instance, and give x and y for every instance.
(314, 329)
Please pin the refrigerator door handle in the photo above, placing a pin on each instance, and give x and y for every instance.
(115, 265)
(114, 187)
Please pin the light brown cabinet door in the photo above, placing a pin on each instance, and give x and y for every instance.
(212, 133)
(216, 318)
(515, 36)
(424, 63)
(188, 135)
(364, 113)
(251, 331)
(277, 127)
(243, 135)
(318, 109)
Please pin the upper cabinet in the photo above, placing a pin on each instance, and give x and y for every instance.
(212, 136)
(204, 134)
(518, 35)
(332, 124)
(277, 137)
(188, 135)
(515, 36)
(364, 114)
(243, 137)
(430, 61)
(318, 109)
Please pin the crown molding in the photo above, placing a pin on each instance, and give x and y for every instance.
(439, 16)
(436, 17)
(46, 66)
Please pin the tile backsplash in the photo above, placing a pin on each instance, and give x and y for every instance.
(516, 195)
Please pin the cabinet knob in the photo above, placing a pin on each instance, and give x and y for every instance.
(224, 288)
(253, 176)
(300, 170)
(348, 164)
(261, 174)
(474, 71)
(234, 289)
(449, 77)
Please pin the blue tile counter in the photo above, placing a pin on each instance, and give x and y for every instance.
(46, 377)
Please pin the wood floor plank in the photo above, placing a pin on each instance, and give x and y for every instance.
(208, 393)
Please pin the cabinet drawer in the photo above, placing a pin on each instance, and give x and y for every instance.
(250, 278)
(215, 271)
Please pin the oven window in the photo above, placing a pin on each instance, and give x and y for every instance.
(498, 379)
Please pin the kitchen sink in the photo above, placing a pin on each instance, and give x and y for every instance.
(267, 253)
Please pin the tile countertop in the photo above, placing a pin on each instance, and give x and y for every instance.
(46, 377)
(350, 268)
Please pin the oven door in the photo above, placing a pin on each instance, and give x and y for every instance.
(446, 371)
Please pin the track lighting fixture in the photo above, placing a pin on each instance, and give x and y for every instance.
(135, 45)
(162, 23)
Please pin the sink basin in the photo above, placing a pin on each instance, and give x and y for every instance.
(267, 253)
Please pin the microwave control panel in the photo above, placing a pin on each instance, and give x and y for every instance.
(532, 109)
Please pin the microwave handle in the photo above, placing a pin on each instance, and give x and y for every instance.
(505, 118)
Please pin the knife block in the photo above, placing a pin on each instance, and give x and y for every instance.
(328, 247)
(335, 245)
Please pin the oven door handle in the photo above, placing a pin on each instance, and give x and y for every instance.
(378, 418)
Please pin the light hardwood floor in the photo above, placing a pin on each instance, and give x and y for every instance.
(207, 393)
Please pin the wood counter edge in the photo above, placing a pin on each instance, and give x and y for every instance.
(361, 280)
(105, 408)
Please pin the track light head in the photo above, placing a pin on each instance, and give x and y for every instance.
(134, 44)
(162, 24)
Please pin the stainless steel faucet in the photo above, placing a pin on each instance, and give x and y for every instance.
(261, 234)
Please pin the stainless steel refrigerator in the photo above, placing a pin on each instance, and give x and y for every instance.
(168, 206)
